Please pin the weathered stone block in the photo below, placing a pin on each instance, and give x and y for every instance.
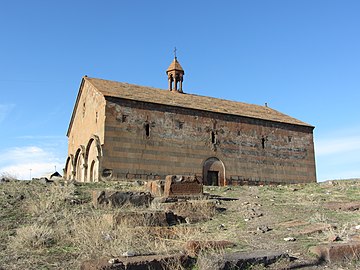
(116, 199)
(179, 185)
(156, 187)
(163, 262)
(337, 252)
(240, 260)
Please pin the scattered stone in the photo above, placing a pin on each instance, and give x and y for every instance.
(128, 254)
(115, 199)
(337, 252)
(263, 229)
(289, 239)
(114, 260)
(222, 227)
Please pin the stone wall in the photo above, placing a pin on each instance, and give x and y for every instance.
(86, 135)
(149, 141)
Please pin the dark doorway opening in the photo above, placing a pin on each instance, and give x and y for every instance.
(213, 178)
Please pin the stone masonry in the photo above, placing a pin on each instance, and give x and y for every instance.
(124, 131)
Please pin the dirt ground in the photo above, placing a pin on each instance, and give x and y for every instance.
(54, 226)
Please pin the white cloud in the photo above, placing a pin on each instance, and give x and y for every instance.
(5, 109)
(337, 145)
(337, 155)
(23, 161)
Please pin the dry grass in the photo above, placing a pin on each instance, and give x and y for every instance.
(42, 227)
(31, 237)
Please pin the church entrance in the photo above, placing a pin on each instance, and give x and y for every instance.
(213, 178)
(213, 172)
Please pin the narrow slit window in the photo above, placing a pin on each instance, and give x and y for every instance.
(147, 130)
(179, 125)
(213, 137)
(124, 118)
(263, 143)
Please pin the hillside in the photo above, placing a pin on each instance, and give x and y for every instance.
(55, 226)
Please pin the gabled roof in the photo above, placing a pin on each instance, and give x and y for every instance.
(203, 103)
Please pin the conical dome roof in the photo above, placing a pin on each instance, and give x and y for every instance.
(175, 65)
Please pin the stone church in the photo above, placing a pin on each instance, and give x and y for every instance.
(121, 131)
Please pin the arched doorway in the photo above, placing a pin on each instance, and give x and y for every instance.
(69, 168)
(79, 165)
(213, 172)
(92, 172)
(93, 157)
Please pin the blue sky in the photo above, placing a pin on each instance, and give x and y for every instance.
(302, 57)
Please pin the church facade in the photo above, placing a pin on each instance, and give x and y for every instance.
(121, 131)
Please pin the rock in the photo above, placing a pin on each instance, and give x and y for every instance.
(180, 185)
(128, 254)
(334, 238)
(115, 199)
(337, 252)
(156, 187)
(263, 229)
(114, 260)
(244, 260)
(289, 239)
(138, 262)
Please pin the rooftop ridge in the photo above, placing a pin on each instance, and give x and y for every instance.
(191, 101)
